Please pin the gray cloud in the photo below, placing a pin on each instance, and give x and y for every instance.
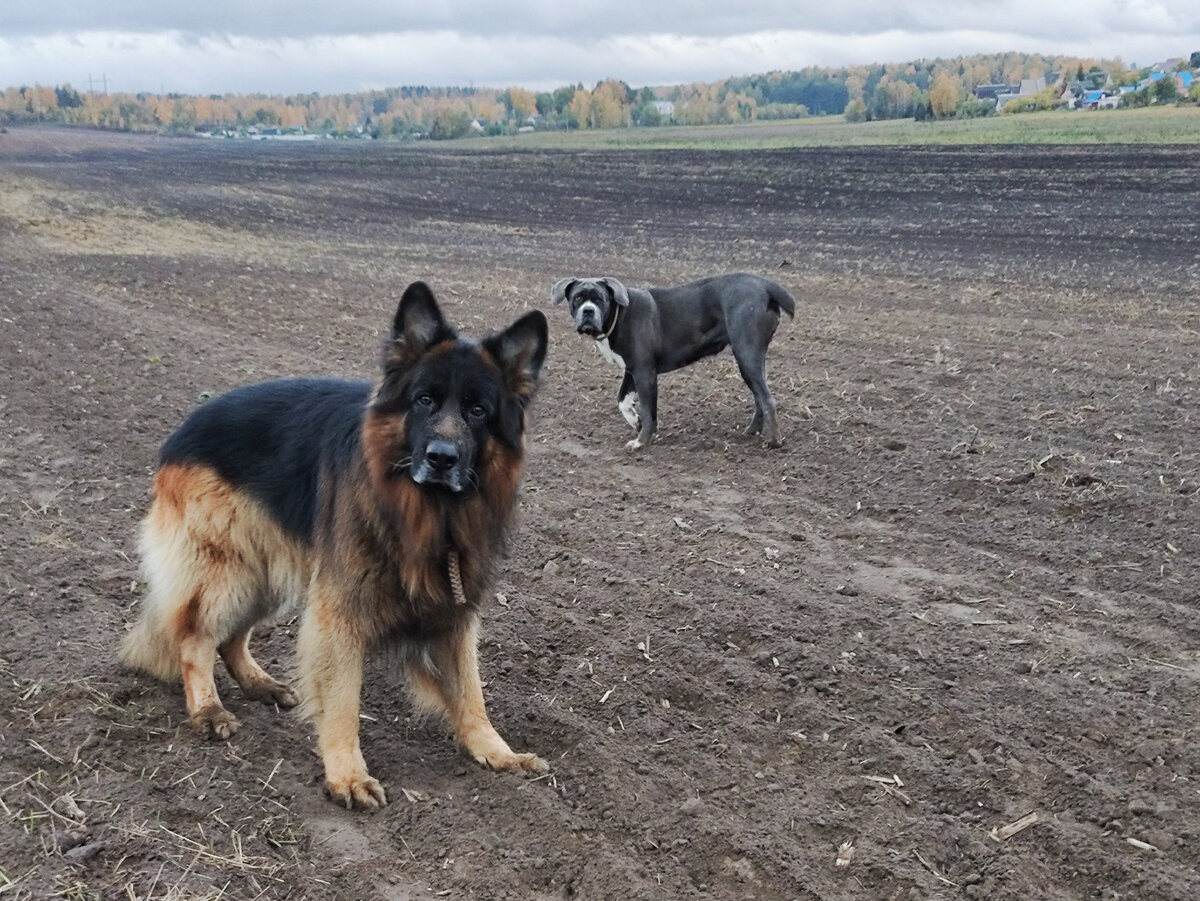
(276, 47)
(591, 19)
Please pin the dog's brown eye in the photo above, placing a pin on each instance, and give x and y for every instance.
(479, 411)
(424, 400)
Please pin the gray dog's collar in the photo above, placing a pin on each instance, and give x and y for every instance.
(616, 315)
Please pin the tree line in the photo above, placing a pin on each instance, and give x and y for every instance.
(938, 88)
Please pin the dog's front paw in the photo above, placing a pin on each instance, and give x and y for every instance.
(629, 411)
(531, 763)
(511, 760)
(355, 790)
(634, 444)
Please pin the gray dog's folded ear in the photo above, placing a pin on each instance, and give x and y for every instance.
(561, 287)
(619, 294)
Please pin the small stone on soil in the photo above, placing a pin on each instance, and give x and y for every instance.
(85, 852)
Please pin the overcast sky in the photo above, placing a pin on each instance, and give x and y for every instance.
(250, 46)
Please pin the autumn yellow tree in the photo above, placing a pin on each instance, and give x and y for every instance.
(736, 107)
(183, 117)
(42, 99)
(581, 107)
(91, 112)
(523, 103)
(452, 121)
(977, 74)
(697, 104)
(162, 108)
(944, 95)
(205, 110)
(608, 109)
(893, 99)
(856, 81)
(1118, 74)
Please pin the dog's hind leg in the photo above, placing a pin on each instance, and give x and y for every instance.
(206, 714)
(754, 373)
(199, 545)
(256, 682)
(756, 421)
(763, 422)
(447, 681)
(218, 601)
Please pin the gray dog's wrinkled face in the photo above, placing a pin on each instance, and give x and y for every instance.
(594, 303)
(590, 304)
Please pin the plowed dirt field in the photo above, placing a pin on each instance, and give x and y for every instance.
(965, 590)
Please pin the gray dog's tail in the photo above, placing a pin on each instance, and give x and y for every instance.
(779, 299)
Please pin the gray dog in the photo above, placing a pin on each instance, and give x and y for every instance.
(653, 330)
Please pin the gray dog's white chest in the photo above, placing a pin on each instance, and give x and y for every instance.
(609, 354)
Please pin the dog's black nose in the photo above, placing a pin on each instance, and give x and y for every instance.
(441, 455)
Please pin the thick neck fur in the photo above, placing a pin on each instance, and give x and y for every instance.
(420, 527)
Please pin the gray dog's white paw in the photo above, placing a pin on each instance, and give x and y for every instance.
(628, 406)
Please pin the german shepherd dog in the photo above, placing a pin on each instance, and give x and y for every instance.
(383, 508)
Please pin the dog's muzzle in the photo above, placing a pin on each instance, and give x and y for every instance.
(441, 466)
(588, 320)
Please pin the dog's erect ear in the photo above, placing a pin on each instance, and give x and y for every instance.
(617, 290)
(418, 320)
(417, 327)
(561, 287)
(520, 351)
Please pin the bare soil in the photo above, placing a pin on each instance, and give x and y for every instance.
(964, 591)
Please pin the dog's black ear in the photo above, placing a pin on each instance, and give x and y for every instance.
(418, 326)
(559, 293)
(617, 290)
(520, 351)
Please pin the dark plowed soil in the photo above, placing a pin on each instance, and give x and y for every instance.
(964, 591)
